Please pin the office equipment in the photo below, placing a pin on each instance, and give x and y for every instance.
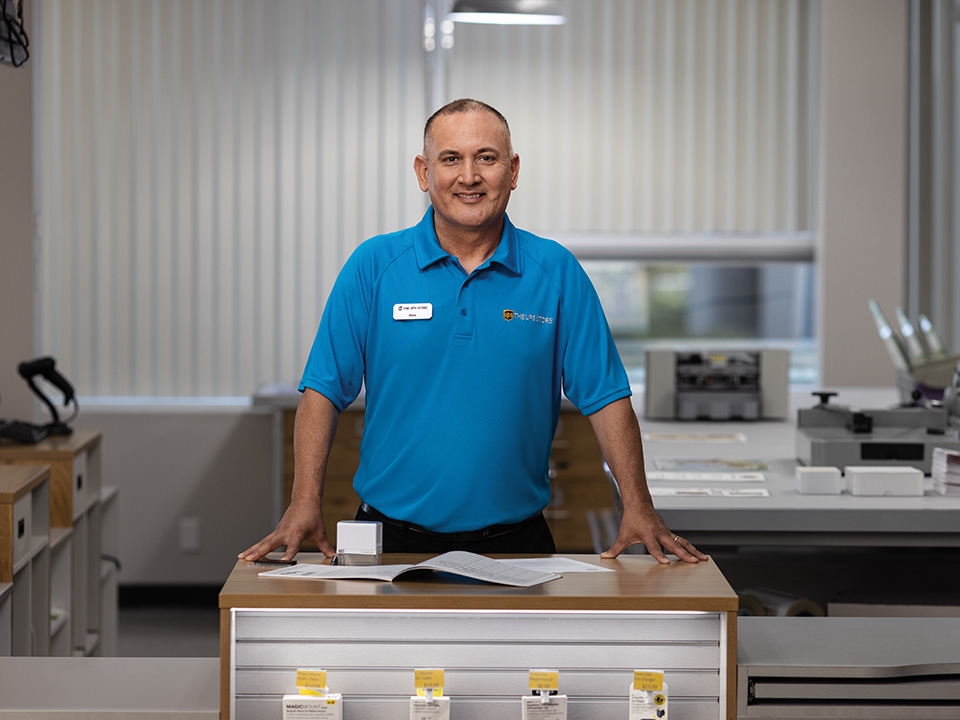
(359, 542)
(28, 433)
(833, 668)
(891, 342)
(819, 480)
(884, 481)
(721, 385)
(837, 435)
(22, 432)
(935, 347)
(922, 373)
(916, 352)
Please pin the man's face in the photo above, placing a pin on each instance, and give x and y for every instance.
(469, 170)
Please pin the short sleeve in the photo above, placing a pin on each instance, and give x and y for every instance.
(335, 365)
(593, 373)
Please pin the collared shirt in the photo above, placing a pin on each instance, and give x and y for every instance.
(462, 374)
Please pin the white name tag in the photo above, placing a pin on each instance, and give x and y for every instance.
(413, 311)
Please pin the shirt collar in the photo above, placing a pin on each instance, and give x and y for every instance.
(428, 250)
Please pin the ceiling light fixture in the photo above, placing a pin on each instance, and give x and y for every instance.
(509, 12)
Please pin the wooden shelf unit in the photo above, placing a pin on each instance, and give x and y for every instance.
(75, 540)
(25, 560)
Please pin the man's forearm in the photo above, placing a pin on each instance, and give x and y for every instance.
(618, 434)
(314, 429)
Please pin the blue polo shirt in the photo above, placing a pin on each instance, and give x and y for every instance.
(463, 374)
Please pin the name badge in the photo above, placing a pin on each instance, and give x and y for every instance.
(413, 311)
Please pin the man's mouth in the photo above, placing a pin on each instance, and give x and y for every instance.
(469, 196)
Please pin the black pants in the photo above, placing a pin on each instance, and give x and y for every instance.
(529, 536)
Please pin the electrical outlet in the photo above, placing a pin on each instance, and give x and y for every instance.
(190, 534)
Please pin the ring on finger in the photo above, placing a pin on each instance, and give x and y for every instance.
(676, 538)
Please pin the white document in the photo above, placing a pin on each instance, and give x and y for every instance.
(675, 475)
(695, 437)
(467, 564)
(560, 566)
(709, 492)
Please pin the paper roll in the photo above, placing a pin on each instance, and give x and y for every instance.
(750, 606)
(781, 604)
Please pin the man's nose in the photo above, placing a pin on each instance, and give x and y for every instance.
(469, 174)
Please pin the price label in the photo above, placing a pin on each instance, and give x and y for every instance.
(544, 680)
(428, 679)
(311, 682)
(647, 680)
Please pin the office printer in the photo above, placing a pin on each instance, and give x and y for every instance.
(837, 435)
(717, 385)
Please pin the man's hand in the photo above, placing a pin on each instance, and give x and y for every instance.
(302, 521)
(647, 527)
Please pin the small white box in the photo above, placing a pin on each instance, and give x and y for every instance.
(359, 542)
(313, 707)
(885, 480)
(819, 480)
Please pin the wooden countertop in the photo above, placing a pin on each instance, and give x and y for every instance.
(638, 583)
(17, 480)
(56, 447)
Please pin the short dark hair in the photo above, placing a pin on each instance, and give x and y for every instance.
(464, 105)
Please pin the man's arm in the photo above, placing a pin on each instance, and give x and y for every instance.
(315, 426)
(618, 433)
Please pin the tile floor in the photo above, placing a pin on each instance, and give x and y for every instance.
(169, 630)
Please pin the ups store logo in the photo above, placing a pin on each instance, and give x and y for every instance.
(508, 314)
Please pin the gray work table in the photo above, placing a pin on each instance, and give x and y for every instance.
(784, 518)
(787, 517)
(848, 668)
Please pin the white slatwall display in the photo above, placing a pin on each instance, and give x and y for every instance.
(206, 168)
(370, 657)
(655, 115)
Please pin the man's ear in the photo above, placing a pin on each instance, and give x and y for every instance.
(420, 168)
(515, 170)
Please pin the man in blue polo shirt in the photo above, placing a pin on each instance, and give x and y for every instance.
(464, 330)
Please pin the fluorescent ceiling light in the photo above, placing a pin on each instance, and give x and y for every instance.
(509, 12)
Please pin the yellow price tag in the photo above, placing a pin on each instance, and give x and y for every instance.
(544, 680)
(428, 679)
(647, 680)
(311, 679)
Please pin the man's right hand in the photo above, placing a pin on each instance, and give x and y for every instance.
(302, 521)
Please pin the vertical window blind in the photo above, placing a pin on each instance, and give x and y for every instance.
(205, 168)
(934, 206)
(656, 116)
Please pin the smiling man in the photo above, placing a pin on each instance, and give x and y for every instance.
(464, 330)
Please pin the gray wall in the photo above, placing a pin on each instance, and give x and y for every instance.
(214, 464)
(205, 469)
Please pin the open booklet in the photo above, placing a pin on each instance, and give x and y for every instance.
(458, 562)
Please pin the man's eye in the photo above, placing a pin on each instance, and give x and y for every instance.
(449, 160)
(487, 158)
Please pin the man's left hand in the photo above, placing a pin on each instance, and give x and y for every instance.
(647, 527)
